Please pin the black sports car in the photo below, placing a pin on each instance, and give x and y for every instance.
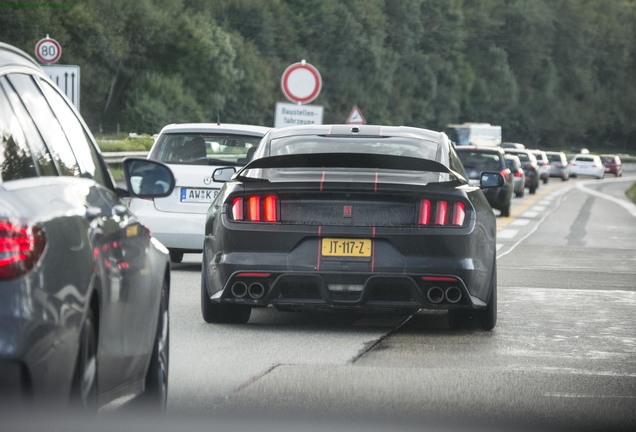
(361, 218)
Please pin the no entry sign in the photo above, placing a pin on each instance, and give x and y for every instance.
(48, 50)
(301, 83)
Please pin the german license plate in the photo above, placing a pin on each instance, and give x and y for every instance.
(198, 195)
(346, 247)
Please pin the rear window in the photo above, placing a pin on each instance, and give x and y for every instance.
(396, 146)
(480, 161)
(555, 158)
(584, 159)
(205, 149)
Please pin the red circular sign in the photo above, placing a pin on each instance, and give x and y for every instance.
(301, 83)
(48, 50)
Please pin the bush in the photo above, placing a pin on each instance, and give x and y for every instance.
(131, 143)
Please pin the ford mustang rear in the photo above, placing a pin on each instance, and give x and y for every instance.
(362, 218)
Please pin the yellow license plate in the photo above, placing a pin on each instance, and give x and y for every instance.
(346, 247)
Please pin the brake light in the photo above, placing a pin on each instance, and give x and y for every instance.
(20, 248)
(255, 208)
(517, 174)
(445, 213)
(425, 212)
(458, 214)
(440, 214)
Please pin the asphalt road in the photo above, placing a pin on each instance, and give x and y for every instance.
(563, 354)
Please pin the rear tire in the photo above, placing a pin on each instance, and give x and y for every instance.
(156, 394)
(482, 319)
(84, 385)
(176, 256)
(218, 313)
(505, 212)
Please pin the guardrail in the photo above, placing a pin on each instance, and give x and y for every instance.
(118, 157)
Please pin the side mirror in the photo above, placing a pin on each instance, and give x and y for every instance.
(147, 178)
(223, 175)
(491, 180)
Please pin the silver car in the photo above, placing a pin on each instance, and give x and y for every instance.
(83, 286)
(559, 166)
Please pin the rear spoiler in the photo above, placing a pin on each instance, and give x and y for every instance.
(349, 160)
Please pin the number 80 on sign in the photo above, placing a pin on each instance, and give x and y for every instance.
(48, 50)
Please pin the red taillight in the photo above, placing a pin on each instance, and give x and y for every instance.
(255, 208)
(254, 212)
(20, 249)
(458, 214)
(425, 212)
(517, 174)
(440, 213)
(445, 213)
(237, 209)
(271, 205)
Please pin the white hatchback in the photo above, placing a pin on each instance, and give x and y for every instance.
(193, 151)
(587, 165)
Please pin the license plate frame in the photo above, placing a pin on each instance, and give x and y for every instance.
(351, 248)
(197, 195)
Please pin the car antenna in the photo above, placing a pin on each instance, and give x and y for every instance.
(218, 118)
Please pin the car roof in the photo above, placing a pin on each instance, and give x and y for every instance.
(358, 130)
(480, 149)
(11, 56)
(215, 128)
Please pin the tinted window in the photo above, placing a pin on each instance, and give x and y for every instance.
(480, 161)
(584, 159)
(47, 124)
(15, 157)
(85, 153)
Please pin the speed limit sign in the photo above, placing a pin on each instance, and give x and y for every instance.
(48, 50)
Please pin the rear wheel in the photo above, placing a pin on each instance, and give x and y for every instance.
(482, 319)
(505, 212)
(84, 386)
(219, 313)
(533, 190)
(156, 393)
(176, 256)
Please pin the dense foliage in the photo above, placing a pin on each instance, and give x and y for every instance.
(553, 73)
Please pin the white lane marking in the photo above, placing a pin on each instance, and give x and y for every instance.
(576, 395)
(520, 222)
(530, 214)
(630, 207)
(538, 209)
(545, 202)
(499, 246)
(507, 233)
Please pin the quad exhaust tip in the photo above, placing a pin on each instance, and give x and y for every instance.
(435, 295)
(239, 289)
(453, 294)
(256, 290)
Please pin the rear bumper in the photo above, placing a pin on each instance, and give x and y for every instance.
(173, 230)
(403, 269)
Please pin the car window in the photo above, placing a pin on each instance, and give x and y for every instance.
(204, 149)
(46, 123)
(42, 157)
(83, 148)
(16, 161)
(584, 159)
(480, 161)
(397, 146)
